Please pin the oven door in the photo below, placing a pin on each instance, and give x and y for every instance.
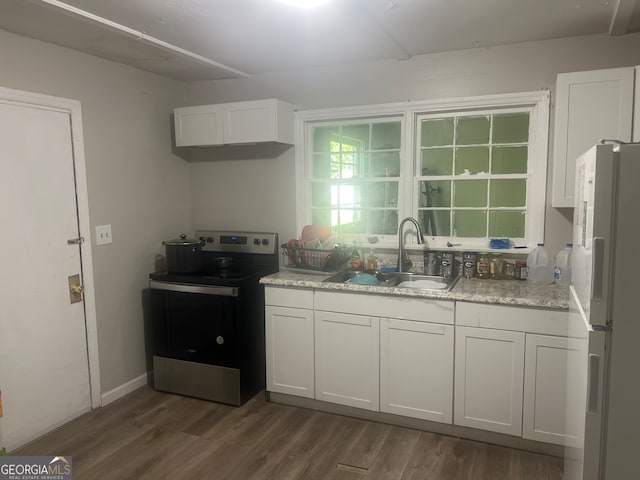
(196, 323)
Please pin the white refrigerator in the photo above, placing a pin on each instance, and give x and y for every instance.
(603, 371)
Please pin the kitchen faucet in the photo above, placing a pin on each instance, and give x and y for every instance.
(403, 258)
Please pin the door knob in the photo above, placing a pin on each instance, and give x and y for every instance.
(75, 289)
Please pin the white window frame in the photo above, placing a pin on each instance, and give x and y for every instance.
(408, 112)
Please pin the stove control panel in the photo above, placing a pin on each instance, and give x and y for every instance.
(241, 242)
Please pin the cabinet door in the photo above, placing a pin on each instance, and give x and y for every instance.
(416, 369)
(589, 106)
(198, 126)
(489, 379)
(545, 384)
(290, 351)
(258, 121)
(347, 369)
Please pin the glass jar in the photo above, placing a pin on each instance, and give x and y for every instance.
(482, 265)
(496, 267)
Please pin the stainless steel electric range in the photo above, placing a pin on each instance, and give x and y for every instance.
(207, 328)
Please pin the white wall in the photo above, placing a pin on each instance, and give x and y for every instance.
(481, 71)
(135, 182)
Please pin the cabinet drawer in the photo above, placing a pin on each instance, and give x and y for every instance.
(289, 297)
(419, 309)
(519, 319)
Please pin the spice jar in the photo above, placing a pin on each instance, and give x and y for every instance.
(482, 265)
(496, 267)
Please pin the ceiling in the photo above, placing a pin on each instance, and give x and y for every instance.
(214, 39)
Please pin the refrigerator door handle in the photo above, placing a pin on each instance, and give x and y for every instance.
(593, 381)
(598, 268)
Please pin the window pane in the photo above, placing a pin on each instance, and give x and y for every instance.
(351, 221)
(472, 130)
(472, 160)
(509, 160)
(321, 195)
(435, 193)
(385, 136)
(352, 165)
(385, 164)
(511, 128)
(470, 193)
(323, 217)
(507, 224)
(383, 222)
(437, 132)
(437, 161)
(383, 194)
(435, 222)
(322, 165)
(508, 193)
(355, 138)
(326, 139)
(470, 223)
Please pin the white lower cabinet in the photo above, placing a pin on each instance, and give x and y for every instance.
(290, 359)
(545, 383)
(416, 369)
(347, 368)
(489, 379)
(289, 340)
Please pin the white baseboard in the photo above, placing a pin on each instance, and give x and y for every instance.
(124, 389)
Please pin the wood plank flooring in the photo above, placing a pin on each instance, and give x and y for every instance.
(154, 435)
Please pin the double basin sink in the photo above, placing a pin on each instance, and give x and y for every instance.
(393, 279)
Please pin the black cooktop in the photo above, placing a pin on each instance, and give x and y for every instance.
(230, 277)
(250, 255)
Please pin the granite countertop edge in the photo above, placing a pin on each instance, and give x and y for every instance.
(498, 292)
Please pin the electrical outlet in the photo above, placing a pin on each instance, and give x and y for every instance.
(103, 235)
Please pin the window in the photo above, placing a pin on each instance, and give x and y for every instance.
(473, 172)
(467, 169)
(355, 176)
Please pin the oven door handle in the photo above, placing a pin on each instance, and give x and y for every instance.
(189, 288)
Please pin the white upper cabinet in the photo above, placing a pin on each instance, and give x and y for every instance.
(201, 125)
(234, 123)
(589, 106)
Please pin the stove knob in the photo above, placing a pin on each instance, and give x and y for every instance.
(265, 241)
(219, 339)
(256, 241)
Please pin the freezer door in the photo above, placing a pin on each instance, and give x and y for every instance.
(585, 387)
(593, 221)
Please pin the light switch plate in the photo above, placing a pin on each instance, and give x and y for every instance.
(103, 235)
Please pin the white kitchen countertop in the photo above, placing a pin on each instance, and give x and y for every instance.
(501, 292)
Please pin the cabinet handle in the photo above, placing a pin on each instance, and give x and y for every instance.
(592, 383)
(597, 267)
(192, 350)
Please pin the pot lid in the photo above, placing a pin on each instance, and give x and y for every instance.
(183, 240)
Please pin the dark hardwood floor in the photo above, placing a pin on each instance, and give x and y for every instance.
(153, 435)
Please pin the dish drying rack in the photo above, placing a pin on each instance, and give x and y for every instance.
(323, 260)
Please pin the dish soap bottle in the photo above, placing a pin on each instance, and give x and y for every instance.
(372, 263)
(356, 261)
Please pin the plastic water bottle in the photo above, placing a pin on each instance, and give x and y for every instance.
(562, 270)
(540, 268)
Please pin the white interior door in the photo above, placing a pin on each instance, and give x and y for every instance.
(44, 370)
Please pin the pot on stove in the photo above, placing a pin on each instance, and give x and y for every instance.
(184, 255)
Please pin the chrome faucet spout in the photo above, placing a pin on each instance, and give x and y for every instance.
(403, 258)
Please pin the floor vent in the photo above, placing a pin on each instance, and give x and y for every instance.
(352, 468)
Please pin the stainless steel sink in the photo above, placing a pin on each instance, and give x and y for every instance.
(397, 279)
(420, 282)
